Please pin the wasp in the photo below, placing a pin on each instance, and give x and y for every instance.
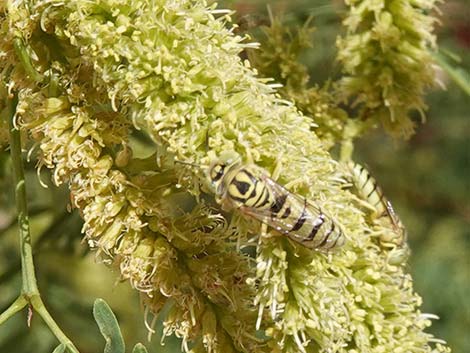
(248, 189)
(382, 210)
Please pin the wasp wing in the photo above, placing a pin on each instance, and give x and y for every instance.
(397, 224)
(274, 199)
(292, 215)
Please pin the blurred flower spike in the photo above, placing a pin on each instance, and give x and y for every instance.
(387, 60)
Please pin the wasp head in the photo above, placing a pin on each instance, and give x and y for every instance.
(220, 168)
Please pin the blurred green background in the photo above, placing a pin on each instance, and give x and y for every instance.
(426, 178)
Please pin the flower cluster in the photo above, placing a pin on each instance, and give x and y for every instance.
(279, 59)
(171, 68)
(387, 61)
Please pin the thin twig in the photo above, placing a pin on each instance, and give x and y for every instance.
(29, 290)
(16, 306)
(29, 286)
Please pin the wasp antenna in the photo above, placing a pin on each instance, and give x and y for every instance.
(188, 163)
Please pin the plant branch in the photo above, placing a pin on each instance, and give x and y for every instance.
(25, 60)
(16, 306)
(29, 290)
(39, 307)
(29, 285)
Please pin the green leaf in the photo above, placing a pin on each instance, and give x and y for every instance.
(460, 76)
(60, 348)
(139, 348)
(109, 327)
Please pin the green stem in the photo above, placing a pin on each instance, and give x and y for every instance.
(29, 291)
(29, 286)
(352, 129)
(16, 306)
(25, 60)
(39, 307)
(346, 150)
(460, 76)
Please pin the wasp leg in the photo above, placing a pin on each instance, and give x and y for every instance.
(264, 233)
(277, 168)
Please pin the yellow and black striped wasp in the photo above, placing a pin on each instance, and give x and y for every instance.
(250, 190)
(382, 210)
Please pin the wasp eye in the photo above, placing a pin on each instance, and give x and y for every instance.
(217, 172)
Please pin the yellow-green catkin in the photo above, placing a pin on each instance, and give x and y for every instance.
(386, 60)
(279, 59)
(171, 68)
